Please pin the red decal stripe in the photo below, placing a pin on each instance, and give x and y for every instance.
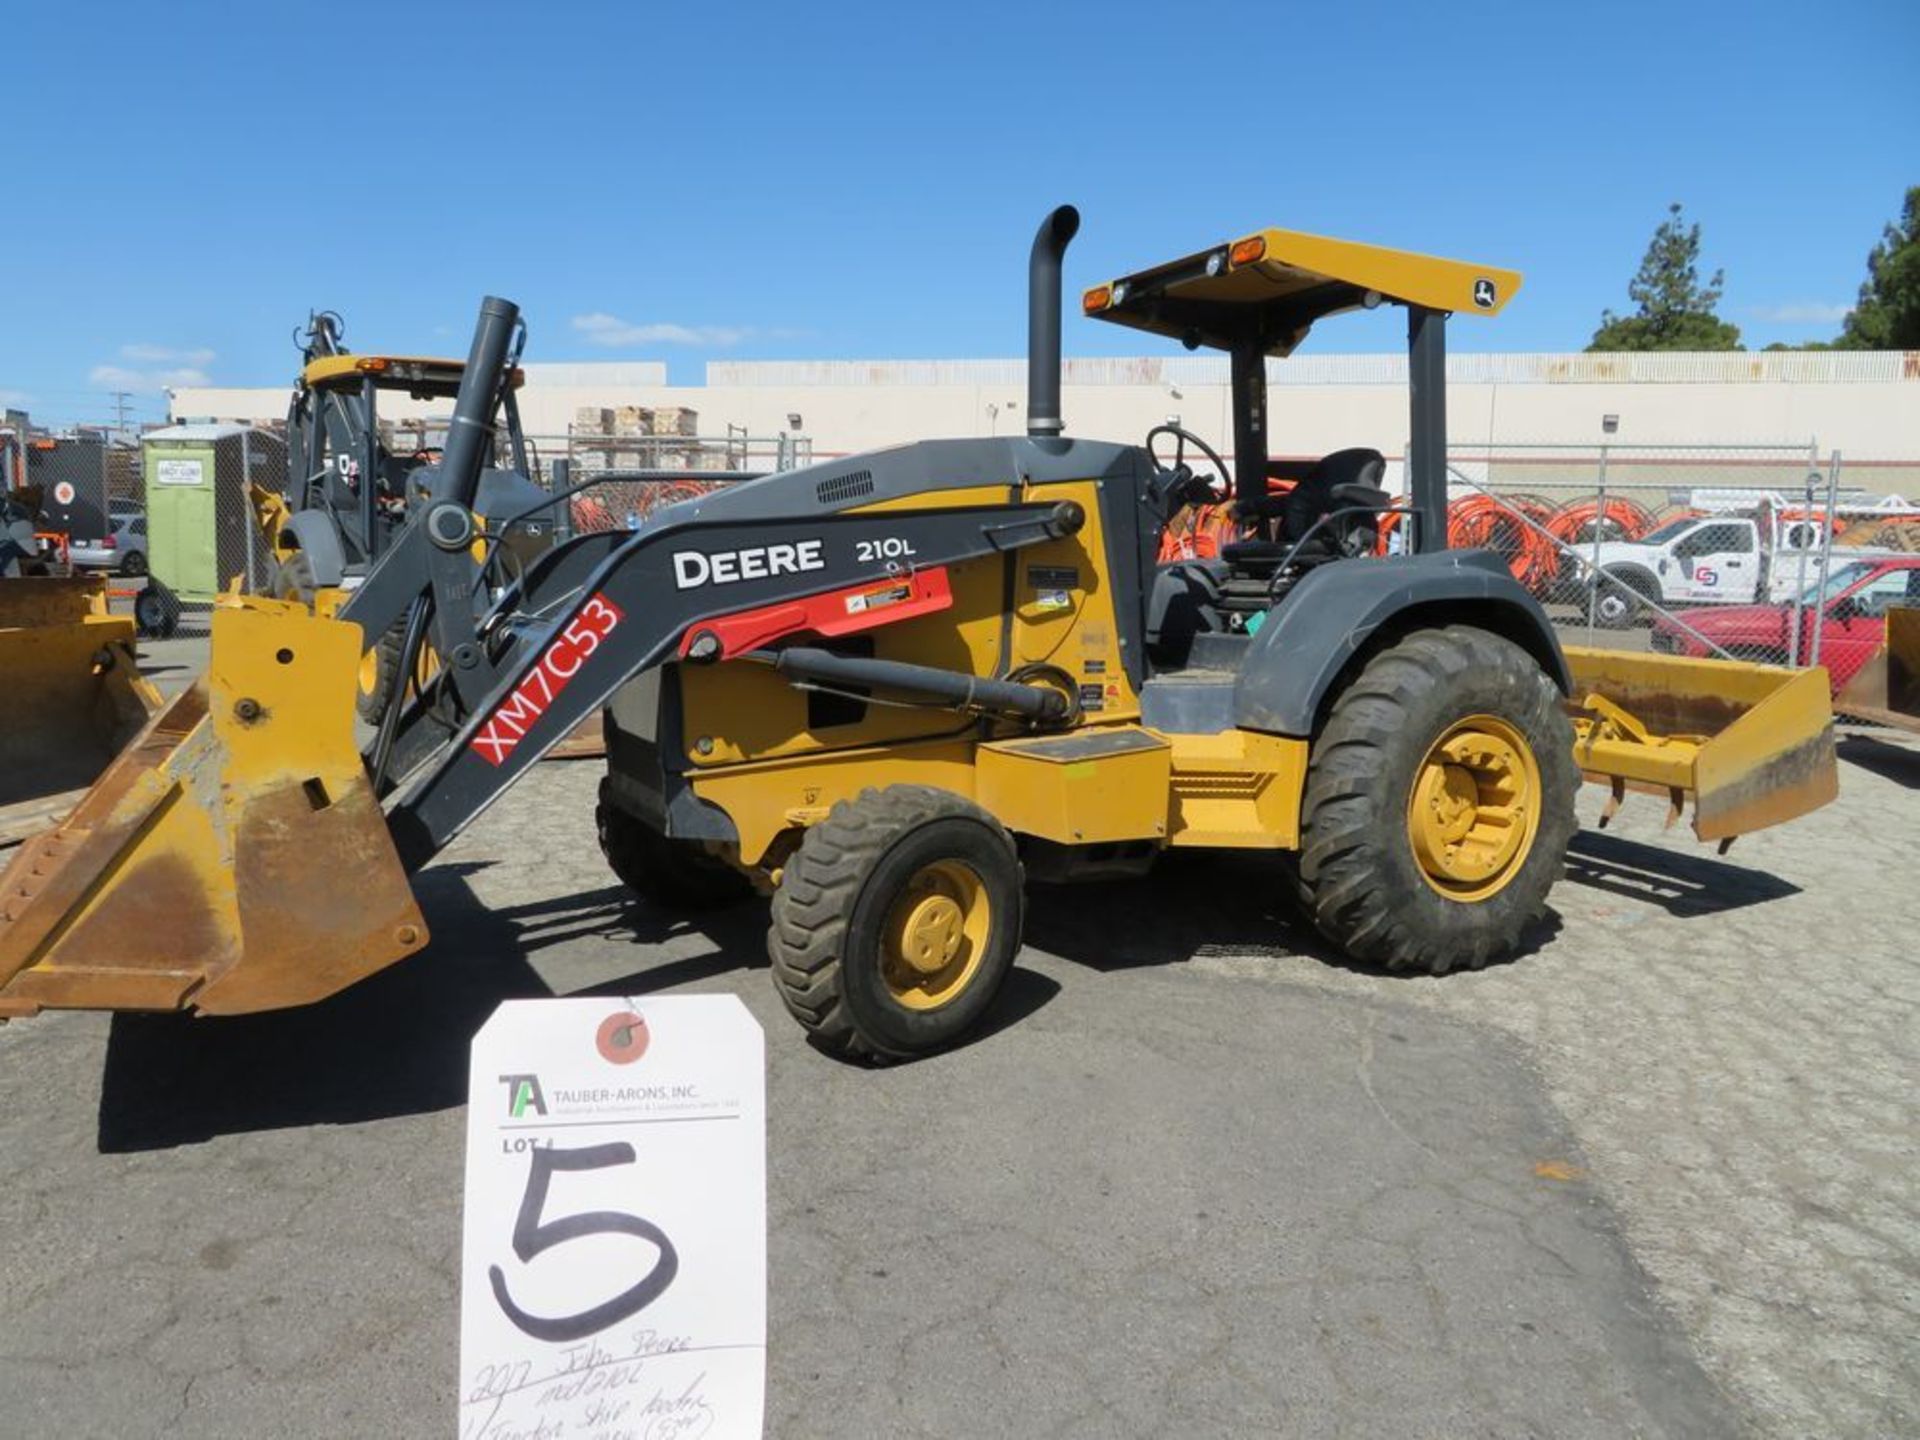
(879, 601)
(510, 721)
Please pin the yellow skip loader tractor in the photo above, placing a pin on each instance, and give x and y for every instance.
(888, 689)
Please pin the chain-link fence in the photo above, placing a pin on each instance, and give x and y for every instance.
(1760, 553)
(1744, 552)
(1741, 552)
(614, 481)
(609, 481)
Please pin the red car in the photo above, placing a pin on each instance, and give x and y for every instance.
(1849, 609)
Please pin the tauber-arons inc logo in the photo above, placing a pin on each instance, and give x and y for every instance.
(524, 1094)
(622, 1038)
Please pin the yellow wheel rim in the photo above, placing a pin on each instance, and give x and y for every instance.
(1475, 808)
(369, 672)
(935, 935)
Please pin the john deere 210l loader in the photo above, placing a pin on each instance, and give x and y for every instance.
(886, 687)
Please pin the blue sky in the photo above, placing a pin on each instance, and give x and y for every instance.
(861, 180)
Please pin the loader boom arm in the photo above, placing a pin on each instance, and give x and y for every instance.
(565, 642)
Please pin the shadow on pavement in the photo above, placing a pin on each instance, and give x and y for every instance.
(1194, 902)
(613, 913)
(736, 933)
(1889, 759)
(1681, 883)
(395, 1044)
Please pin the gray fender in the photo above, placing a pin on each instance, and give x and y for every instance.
(1312, 636)
(314, 530)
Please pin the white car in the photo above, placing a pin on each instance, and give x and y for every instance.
(124, 551)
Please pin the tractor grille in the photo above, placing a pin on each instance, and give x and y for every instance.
(844, 487)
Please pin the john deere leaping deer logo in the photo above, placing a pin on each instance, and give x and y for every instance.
(1484, 295)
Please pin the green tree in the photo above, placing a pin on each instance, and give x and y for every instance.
(1887, 315)
(1676, 310)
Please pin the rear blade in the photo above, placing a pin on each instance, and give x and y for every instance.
(1750, 745)
(233, 858)
(1886, 690)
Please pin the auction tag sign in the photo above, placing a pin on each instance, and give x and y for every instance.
(614, 1267)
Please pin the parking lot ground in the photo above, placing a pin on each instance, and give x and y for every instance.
(1655, 1178)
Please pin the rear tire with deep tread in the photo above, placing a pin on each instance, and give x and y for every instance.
(1358, 875)
(673, 874)
(831, 913)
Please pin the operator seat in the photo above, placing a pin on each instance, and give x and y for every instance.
(1346, 480)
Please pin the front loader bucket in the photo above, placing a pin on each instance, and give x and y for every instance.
(1886, 690)
(1751, 745)
(232, 858)
(74, 696)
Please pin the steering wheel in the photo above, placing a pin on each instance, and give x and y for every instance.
(1215, 490)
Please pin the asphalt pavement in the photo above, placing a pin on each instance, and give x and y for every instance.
(1654, 1178)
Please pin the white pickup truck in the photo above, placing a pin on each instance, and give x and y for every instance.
(1702, 560)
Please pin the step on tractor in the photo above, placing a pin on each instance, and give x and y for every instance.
(890, 689)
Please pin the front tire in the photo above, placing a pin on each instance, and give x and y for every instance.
(134, 565)
(896, 921)
(1439, 804)
(379, 670)
(156, 611)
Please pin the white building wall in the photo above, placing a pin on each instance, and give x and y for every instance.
(1866, 406)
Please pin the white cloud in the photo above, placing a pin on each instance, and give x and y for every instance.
(153, 368)
(163, 354)
(600, 328)
(1808, 312)
(119, 377)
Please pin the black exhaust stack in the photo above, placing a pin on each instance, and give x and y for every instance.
(1043, 322)
(472, 427)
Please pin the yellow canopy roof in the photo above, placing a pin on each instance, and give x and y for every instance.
(1275, 284)
(420, 375)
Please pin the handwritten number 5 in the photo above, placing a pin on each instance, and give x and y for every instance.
(531, 1235)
